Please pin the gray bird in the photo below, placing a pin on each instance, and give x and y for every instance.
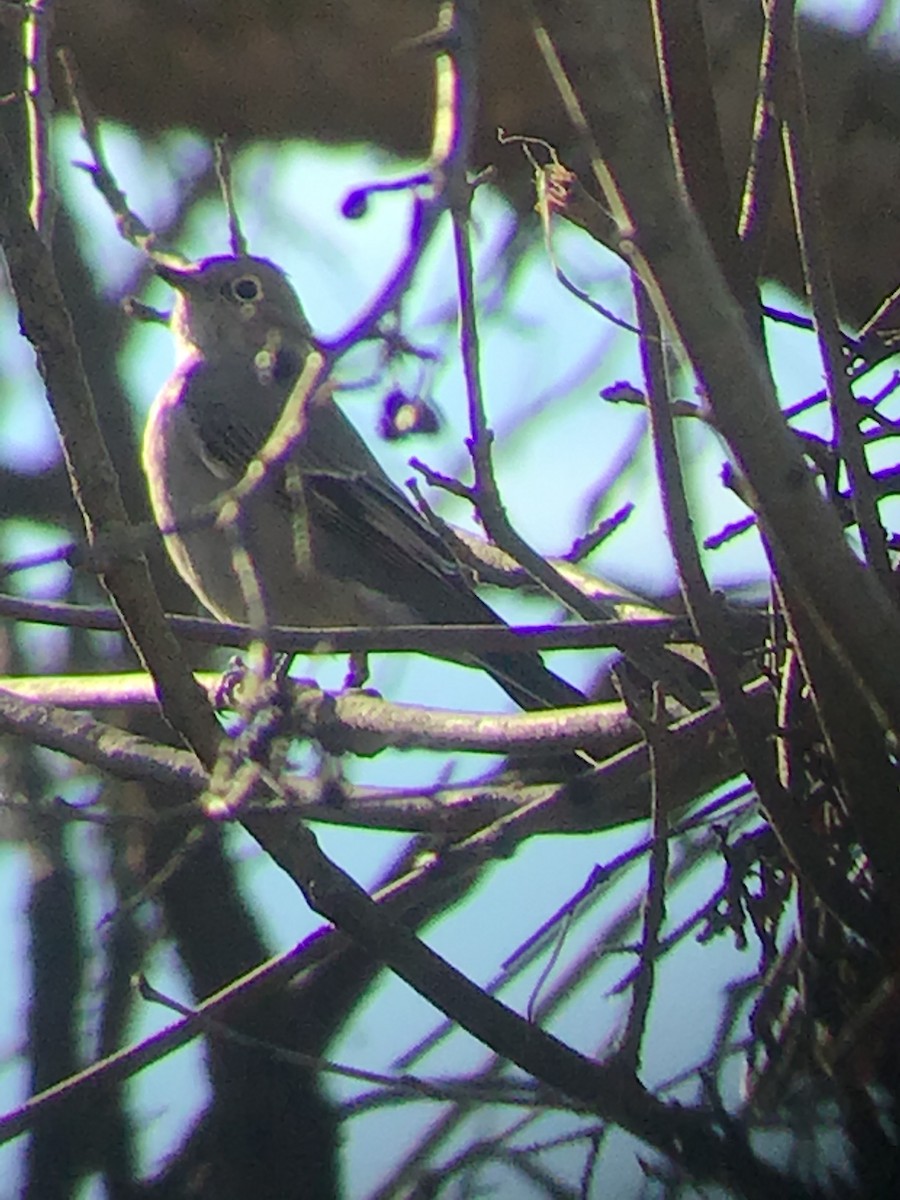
(333, 541)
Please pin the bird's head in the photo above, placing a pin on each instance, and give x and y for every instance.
(227, 305)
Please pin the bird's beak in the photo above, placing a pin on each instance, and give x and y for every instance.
(178, 277)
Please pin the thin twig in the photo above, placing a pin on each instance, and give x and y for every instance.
(759, 182)
(683, 67)
(46, 321)
(400, 1085)
(131, 227)
(668, 249)
(236, 237)
(37, 31)
(654, 728)
(443, 640)
(812, 240)
(802, 848)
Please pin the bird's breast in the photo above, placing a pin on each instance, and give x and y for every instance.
(186, 486)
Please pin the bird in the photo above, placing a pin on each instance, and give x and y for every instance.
(333, 540)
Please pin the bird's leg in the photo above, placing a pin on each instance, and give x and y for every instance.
(228, 687)
(226, 693)
(357, 670)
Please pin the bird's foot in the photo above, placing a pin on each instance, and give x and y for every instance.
(226, 695)
(357, 670)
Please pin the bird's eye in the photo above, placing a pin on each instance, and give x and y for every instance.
(246, 289)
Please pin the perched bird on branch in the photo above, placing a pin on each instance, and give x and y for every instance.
(331, 539)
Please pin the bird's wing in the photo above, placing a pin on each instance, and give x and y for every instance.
(358, 526)
(362, 531)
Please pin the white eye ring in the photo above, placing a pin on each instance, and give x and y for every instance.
(247, 289)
